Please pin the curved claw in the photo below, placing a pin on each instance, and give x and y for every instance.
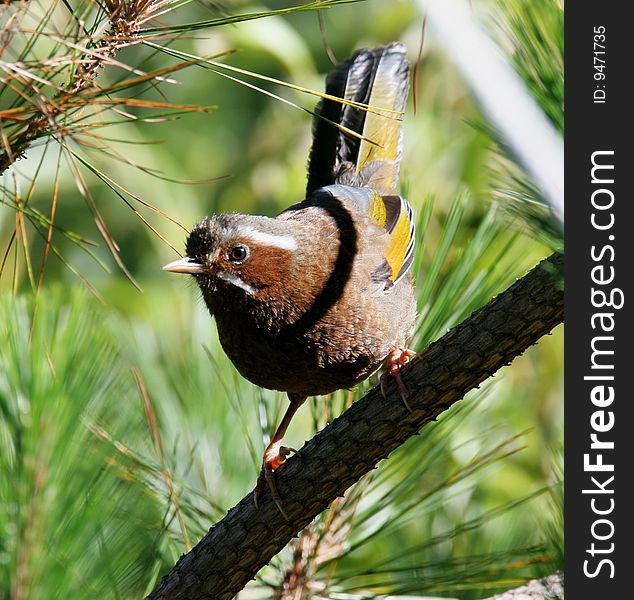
(274, 458)
(395, 360)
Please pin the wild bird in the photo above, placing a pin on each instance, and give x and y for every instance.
(317, 298)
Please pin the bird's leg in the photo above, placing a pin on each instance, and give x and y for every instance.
(395, 360)
(275, 454)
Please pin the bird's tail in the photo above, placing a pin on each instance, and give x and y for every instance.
(378, 77)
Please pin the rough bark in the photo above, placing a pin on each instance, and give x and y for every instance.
(546, 588)
(234, 549)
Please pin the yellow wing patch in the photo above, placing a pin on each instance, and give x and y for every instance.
(394, 214)
(378, 211)
(399, 243)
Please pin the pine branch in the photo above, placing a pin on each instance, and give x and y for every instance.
(126, 18)
(547, 588)
(235, 549)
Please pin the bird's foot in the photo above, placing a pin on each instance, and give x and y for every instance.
(274, 457)
(395, 360)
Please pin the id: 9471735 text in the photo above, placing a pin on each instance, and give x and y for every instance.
(599, 95)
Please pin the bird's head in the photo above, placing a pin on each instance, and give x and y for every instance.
(243, 259)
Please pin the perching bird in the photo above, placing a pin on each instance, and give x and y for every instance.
(317, 298)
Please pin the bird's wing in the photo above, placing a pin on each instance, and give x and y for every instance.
(393, 214)
(378, 77)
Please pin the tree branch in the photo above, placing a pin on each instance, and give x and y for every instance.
(235, 549)
(546, 588)
(125, 22)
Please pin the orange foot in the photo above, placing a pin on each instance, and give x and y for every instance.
(395, 360)
(274, 457)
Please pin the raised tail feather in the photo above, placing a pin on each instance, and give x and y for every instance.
(378, 77)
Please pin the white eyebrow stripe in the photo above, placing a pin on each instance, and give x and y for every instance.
(284, 242)
(235, 280)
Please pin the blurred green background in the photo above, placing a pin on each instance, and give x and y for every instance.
(124, 430)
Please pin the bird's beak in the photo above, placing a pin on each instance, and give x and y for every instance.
(184, 265)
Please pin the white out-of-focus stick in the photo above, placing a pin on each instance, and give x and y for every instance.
(503, 96)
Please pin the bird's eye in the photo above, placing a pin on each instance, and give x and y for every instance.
(238, 253)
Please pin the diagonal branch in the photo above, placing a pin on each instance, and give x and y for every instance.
(247, 538)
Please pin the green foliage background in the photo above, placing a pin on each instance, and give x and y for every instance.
(124, 430)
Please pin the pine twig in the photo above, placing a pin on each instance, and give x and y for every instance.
(125, 19)
(246, 539)
(547, 588)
